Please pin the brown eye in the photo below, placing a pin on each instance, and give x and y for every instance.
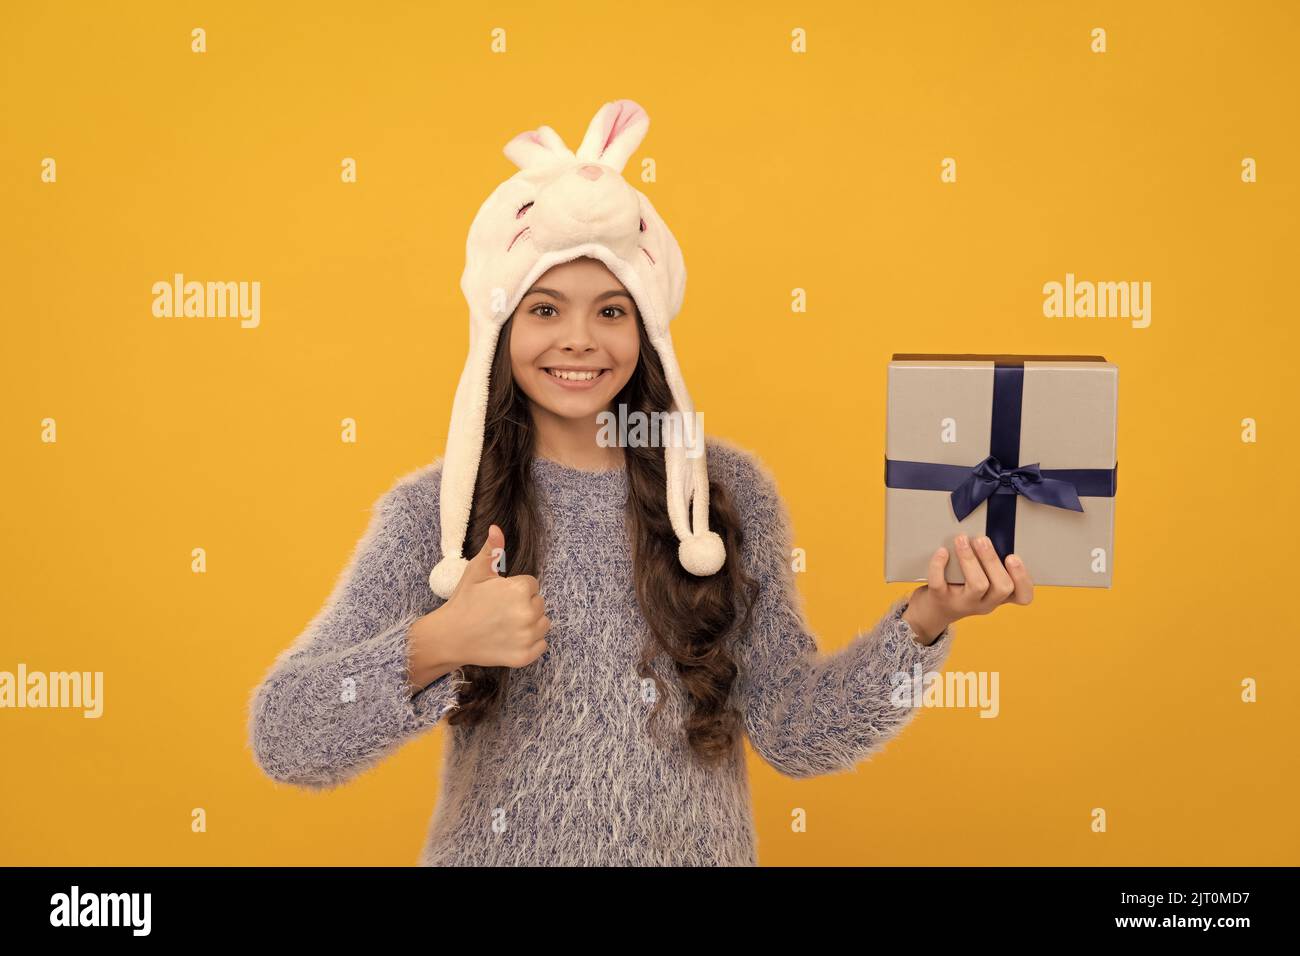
(525, 207)
(643, 225)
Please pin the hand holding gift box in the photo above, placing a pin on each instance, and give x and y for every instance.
(960, 426)
(988, 584)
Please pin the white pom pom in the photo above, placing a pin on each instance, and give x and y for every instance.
(702, 554)
(446, 575)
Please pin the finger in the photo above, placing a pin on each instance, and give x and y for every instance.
(934, 576)
(977, 582)
(482, 565)
(534, 651)
(1020, 575)
(1001, 586)
(532, 610)
(527, 584)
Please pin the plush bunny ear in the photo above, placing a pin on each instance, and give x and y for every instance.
(536, 147)
(614, 134)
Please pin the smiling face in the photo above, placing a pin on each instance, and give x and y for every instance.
(574, 341)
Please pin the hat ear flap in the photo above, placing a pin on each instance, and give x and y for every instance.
(614, 134)
(461, 460)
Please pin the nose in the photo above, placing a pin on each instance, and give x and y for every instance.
(575, 335)
(590, 172)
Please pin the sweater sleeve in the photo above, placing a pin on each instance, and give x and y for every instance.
(338, 700)
(807, 713)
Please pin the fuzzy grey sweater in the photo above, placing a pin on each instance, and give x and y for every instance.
(566, 773)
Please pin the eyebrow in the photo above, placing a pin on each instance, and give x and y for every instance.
(564, 298)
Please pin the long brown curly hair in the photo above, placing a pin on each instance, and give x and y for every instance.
(690, 618)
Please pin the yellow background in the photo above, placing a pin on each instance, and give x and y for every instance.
(776, 171)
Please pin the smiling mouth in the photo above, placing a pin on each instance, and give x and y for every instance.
(566, 376)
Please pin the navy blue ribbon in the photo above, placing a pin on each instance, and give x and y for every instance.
(990, 477)
(999, 478)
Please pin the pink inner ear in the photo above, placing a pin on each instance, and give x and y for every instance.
(628, 110)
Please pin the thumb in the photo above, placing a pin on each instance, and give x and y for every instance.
(481, 566)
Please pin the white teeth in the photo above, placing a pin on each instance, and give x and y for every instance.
(573, 376)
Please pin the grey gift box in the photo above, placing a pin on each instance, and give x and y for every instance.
(948, 414)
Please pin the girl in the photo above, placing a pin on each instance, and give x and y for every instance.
(600, 657)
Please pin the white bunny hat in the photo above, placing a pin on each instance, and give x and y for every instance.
(562, 205)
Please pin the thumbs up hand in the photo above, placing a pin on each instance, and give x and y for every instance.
(496, 621)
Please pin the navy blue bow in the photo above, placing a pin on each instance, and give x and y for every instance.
(989, 477)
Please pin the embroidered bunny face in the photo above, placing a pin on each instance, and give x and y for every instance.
(562, 204)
